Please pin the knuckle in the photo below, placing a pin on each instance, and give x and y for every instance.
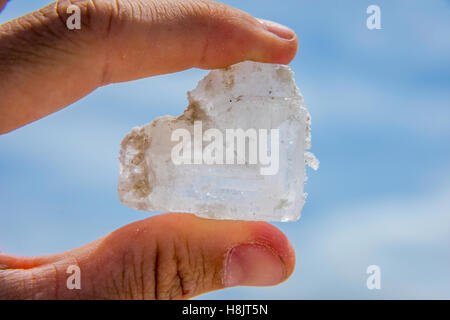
(165, 270)
(91, 14)
(128, 283)
(97, 17)
(174, 10)
(201, 8)
(41, 34)
(180, 272)
(22, 284)
(11, 282)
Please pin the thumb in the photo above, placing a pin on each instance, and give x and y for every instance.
(170, 256)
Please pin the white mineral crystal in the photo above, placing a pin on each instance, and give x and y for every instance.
(192, 163)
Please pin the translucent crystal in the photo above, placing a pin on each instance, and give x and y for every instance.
(258, 98)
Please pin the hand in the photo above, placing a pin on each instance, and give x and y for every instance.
(44, 67)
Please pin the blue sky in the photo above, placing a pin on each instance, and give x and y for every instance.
(380, 107)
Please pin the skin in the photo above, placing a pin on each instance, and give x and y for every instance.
(44, 67)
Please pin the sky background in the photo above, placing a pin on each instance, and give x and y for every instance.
(380, 107)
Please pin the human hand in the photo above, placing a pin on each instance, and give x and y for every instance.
(44, 67)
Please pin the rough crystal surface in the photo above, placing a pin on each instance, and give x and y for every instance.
(247, 95)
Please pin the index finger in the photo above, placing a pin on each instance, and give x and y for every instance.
(45, 66)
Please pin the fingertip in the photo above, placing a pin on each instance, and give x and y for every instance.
(277, 43)
(252, 264)
(269, 235)
(279, 51)
(235, 36)
(277, 29)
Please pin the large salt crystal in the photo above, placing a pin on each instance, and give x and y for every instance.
(190, 163)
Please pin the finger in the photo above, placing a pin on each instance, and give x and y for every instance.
(2, 4)
(170, 256)
(44, 66)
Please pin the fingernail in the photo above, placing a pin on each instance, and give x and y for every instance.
(253, 265)
(278, 29)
